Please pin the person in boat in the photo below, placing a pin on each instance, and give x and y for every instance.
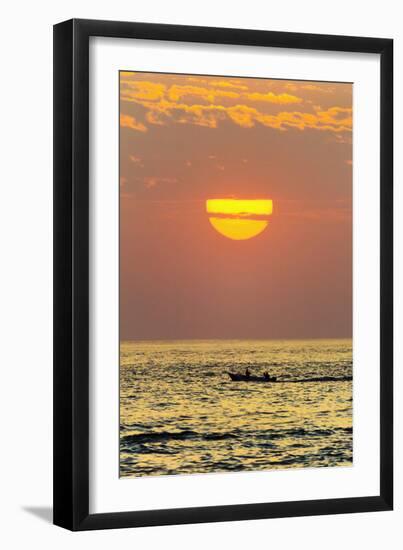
(266, 375)
(247, 372)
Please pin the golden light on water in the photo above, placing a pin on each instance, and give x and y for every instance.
(186, 417)
(239, 219)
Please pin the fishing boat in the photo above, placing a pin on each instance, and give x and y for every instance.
(237, 377)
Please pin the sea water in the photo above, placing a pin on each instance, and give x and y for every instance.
(180, 413)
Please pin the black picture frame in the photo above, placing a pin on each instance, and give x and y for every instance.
(71, 274)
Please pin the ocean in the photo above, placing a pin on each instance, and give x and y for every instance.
(180, 413)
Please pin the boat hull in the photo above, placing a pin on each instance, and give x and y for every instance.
(235, 377)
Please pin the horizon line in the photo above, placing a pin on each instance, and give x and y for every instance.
(233, 339)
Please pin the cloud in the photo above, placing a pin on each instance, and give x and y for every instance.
(136, 160)
(335, 119)
(199, 105)
(164, 111)
(322, 88)
(314, 88)
(228, 84)
(206, 81)
(153, 181)
(153, 91)
(242, 115)
(270, 97)
(126, 74)
(336, 115)
(177, 92)
(337, 210)
(343, 138)
(130, 187)
(127, 121)
(132, 90)
(330, 215)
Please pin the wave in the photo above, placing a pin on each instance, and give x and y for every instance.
(155, 437)
(303, 432)
(322, 379)
(187, 435)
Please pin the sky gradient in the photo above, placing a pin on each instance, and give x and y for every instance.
(187, 139)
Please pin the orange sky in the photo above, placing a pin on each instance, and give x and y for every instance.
(186, 139)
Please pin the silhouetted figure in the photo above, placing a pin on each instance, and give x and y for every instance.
(247, 372)
(266, 375)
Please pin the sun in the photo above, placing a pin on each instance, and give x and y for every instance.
(239, 219)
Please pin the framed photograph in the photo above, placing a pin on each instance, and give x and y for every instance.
(223, 324)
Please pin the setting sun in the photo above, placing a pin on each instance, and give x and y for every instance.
(239, 219)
